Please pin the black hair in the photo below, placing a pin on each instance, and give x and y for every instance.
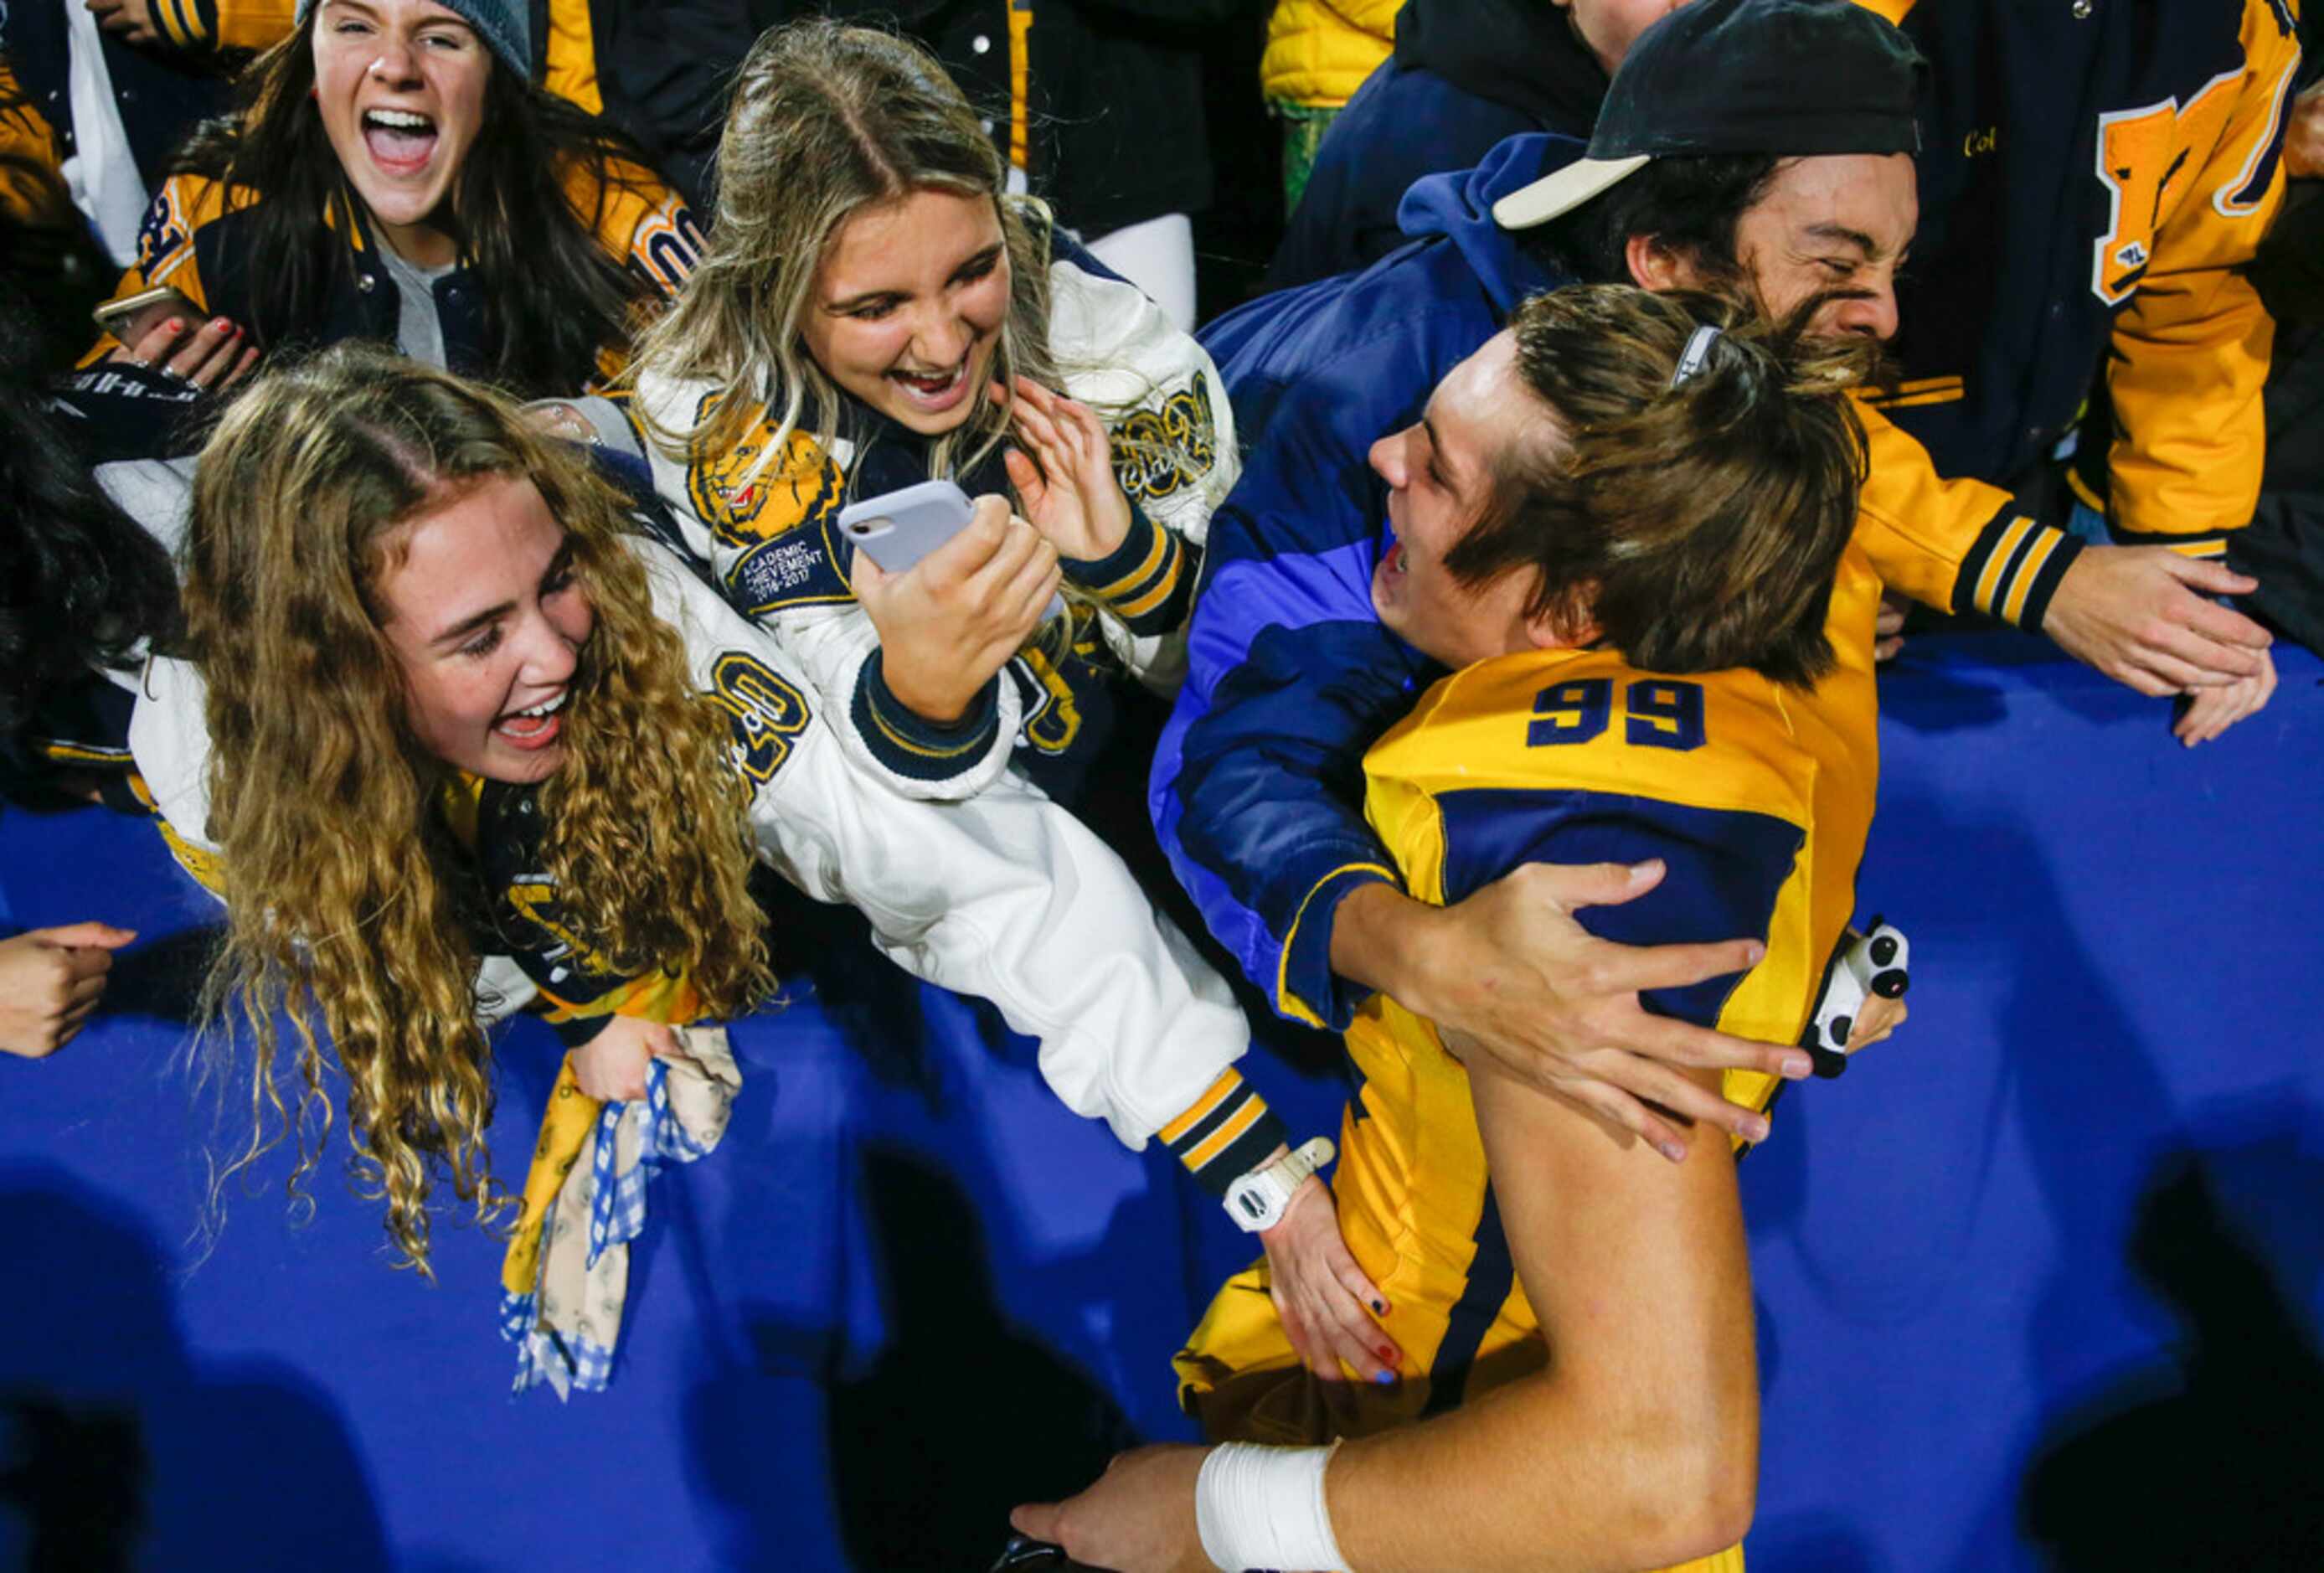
(52, 262)
(1691, 203)
(552, 296)
(80, 583)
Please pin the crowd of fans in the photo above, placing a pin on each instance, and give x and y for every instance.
(476, 387)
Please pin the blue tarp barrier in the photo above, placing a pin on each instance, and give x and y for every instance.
(2040, 1280)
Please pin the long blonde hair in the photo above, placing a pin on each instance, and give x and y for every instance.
(350, 903)
(825, 120)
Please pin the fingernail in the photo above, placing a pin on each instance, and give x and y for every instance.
(1798, 1067)
(1380, 1307)
(1642, 872)
(1674, 1151)
(175, 325)
(1755, 1130)
(222, 325)
(1384, 1378)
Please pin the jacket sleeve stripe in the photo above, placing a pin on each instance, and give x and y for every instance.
(915, 748)
(1997, 562)
(1175, 1135)
(2022, 580)
(1305, 970)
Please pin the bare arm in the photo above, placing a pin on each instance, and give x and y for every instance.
(1638, 1445)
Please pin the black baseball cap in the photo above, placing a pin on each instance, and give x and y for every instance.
(1792, 78)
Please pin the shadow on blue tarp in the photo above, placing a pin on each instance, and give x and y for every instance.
(122, 1443)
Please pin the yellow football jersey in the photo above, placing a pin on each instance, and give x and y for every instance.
(1758, 797)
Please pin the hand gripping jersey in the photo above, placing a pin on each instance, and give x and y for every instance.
(1005, 897)
(1758, 796)
(764, 525)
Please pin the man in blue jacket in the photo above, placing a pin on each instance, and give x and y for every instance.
(1704, 179)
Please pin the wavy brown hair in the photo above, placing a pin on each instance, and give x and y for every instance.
(351, 901)
(825, 120)
(1699, 524)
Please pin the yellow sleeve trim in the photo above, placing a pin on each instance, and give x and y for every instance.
(180, 22)
(973, 745)
(1138, 575)
(1153, 597)
(1226, 1134)
(2028, 575)
(1290, 1003)
(2005, 548)
(1200, 1109)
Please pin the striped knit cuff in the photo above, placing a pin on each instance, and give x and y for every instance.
(2014, 570)
(1225, 1134)
(185, 23)
(911, 744)
(1148, 581)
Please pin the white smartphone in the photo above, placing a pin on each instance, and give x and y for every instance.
(898, 528)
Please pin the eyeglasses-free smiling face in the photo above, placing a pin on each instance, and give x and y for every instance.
(480, 605)
(400, 85)
(908, 305)
(1439, 474)
(1840, 223)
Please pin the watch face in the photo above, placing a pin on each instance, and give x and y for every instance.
(1255, 1202)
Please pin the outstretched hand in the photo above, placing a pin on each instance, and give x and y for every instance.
(2141, 615)
(1063, 470)
(1139, 1517)
(1326, 1303)
(51, 980)
(1511, 972)
(2211, 711)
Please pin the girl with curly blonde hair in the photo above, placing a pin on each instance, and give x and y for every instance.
(444, 722)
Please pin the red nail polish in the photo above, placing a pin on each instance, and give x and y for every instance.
(175, 325)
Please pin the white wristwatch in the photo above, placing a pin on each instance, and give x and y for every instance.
(1256, 1201)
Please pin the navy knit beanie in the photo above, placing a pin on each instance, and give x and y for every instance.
(504, 25)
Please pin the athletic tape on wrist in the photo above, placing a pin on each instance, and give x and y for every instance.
(1263, 1507)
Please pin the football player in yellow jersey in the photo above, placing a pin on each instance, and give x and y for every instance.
(1626, 523)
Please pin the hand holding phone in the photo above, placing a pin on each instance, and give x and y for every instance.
(897, 529)
(132, 317)
(162, 329)
(968, 592)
